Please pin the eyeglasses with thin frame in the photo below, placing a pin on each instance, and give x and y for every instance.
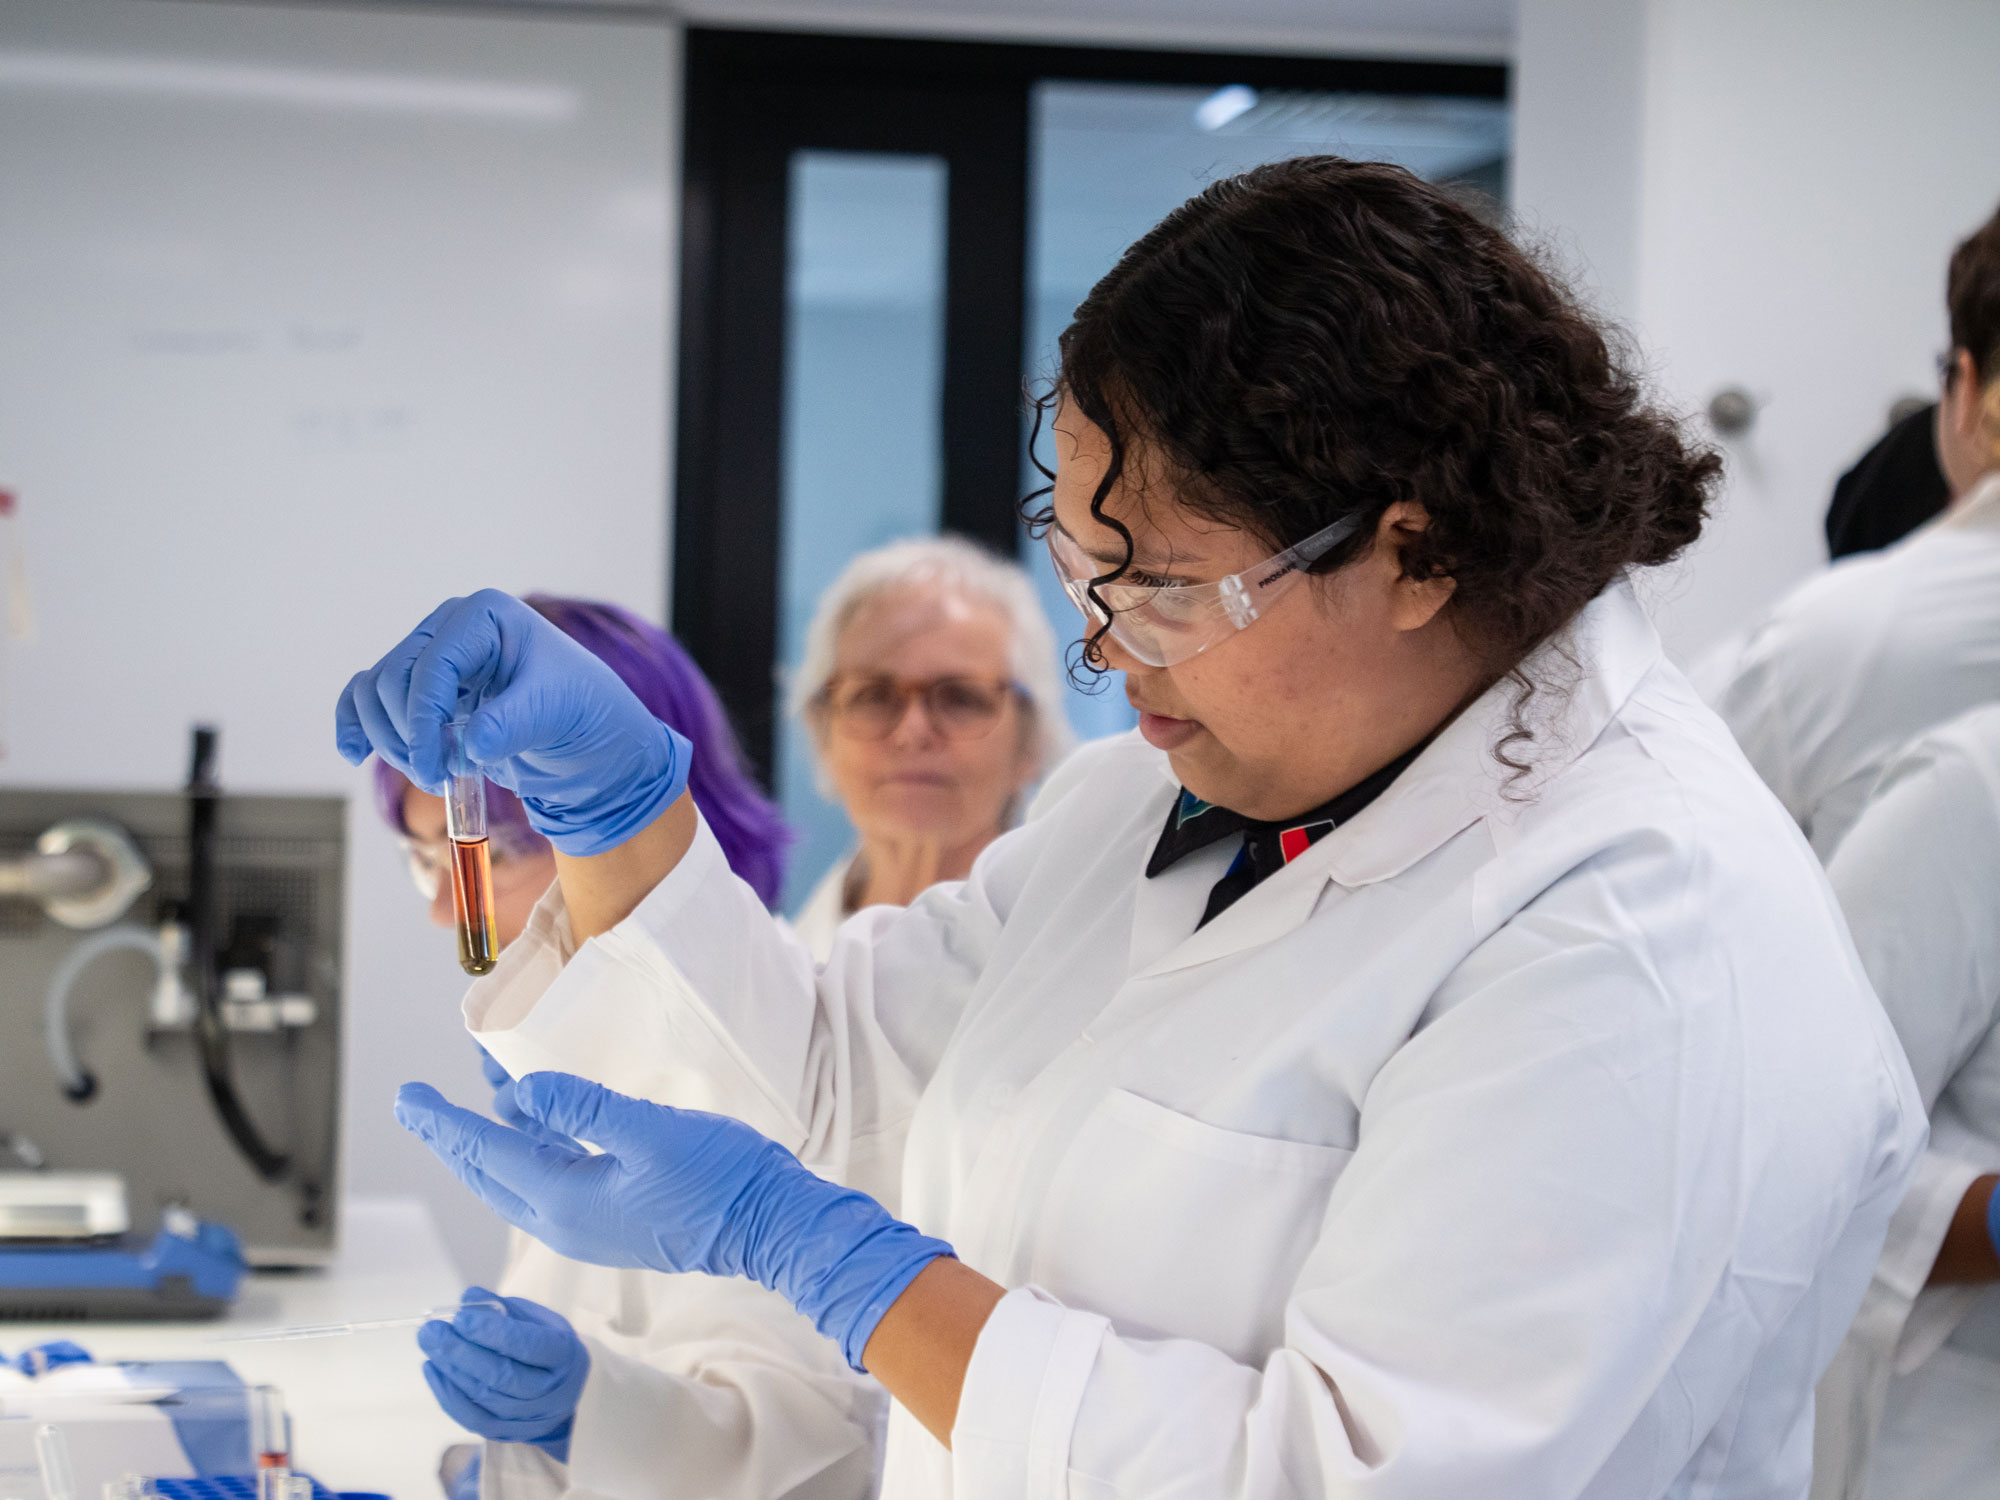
(869, 707)
(1163, 621)
(430, 861)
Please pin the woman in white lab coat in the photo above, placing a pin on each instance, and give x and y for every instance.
(707, 1362)
(1849, 666)
(929, 687)
(1422, 1062)
(1908, 1411)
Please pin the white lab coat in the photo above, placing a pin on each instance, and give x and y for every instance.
(1854, 662)
(699, 1389)
(1919, 878)
(1520, 1142)
(819, 916)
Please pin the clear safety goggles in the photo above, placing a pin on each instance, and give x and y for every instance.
(429, 860)
(1165, 623)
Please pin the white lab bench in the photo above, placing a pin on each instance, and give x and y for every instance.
(362, 1417)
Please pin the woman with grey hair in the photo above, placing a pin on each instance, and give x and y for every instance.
(929, 684)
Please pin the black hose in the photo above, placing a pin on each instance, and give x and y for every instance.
(204, 918)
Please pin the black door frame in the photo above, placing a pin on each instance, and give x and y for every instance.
(754, 97)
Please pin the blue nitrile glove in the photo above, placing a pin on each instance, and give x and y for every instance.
(1993, 1220)
(549, 721)
(42, 1358)
(679, 1190)
(508, 1109)
(514, 1377)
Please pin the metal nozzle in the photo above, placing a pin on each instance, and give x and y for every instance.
(84, 872)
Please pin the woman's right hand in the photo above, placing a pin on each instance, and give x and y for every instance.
(549, 721)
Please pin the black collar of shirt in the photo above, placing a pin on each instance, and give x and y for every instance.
(1268, 847)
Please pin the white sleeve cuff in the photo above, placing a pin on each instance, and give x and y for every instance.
(1911, 1250)
(1022, 1392)
(620, 1012)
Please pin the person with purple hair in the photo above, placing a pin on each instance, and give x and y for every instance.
(630, 1383)
(651, 662)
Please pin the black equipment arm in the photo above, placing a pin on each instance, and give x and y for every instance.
(203, 917)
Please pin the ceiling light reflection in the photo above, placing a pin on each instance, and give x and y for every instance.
(311, 88)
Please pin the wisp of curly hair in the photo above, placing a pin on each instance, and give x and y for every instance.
(1320, 338)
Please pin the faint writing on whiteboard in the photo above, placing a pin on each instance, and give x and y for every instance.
(323, 338)
(297, 337)
(352, 429)
(197, 342)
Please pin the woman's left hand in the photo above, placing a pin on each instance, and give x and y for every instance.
(678, 1190)
(514, 1376)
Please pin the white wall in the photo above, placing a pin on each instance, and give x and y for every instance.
(309, 319)
(1769, 193)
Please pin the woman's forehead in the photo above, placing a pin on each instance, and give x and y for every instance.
(925, 629)
(1165, 534)
(423, 814)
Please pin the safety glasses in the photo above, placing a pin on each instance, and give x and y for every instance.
(1164, 623)
(430, 862)
(959, 708)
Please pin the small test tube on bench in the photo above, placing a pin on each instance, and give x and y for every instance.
(52, 1454)
(270, 1442)
(471, 859)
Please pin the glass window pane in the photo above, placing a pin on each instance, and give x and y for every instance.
(1110, 160)
(861, 447)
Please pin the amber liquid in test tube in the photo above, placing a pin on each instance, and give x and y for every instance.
(471, 860)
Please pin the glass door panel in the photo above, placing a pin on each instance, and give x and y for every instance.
(1110, 160)
(861, 441)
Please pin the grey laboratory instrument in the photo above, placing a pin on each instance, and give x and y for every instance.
(177, 966)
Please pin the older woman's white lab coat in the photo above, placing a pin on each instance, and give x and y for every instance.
(1853, 663)
(817, 921)
(1919, 877)
(1519, 1142)
(700, 1388)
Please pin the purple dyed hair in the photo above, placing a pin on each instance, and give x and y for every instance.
(652, 664)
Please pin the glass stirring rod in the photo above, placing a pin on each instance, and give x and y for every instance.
(471, 857)
(343, 1328)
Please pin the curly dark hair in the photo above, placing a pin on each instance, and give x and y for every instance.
(1320, 338)
(1972, 296)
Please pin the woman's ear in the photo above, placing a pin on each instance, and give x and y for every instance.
(1414, 602)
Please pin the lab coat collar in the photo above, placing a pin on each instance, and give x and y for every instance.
(1586, 675)
(1979, 506)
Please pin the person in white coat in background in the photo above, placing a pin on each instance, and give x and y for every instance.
(1911, 1408)
(1423, 1061)
(929, 686)
(625, 1383)
(1883, 645)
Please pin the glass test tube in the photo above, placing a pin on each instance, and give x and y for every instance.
(270, 1439)
(52, 1453)
(471, 861)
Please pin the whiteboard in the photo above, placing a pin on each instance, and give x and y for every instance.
(310, 318)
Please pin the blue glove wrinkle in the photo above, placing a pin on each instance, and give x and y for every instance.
(550, 722)
(679, 1190)
(1993, 1220)
(614, 819)
(846, 1268)
(556, 1444)
(836, 1254)
(495, 1075)
(513, 1377)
